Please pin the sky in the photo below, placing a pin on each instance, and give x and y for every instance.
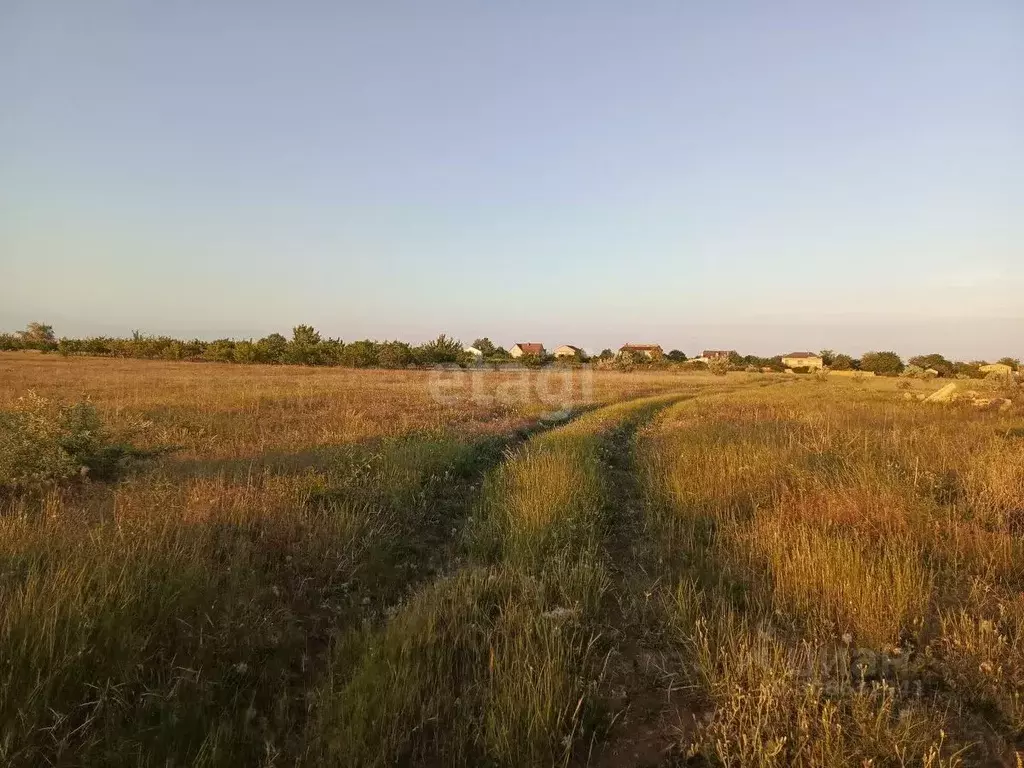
(761, 176)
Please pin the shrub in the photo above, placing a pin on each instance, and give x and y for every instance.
(440, 351)
(10, 343)
(913, 371)
(934, 361)
(38, 336)
(359, 354)
(272, 348)
(42, 442)
(968, 370)
(303, 349)
(220, 351)
(718, 366)
(842, 363)
(882, 363)
(245, 352)
(394, 354)
(330, 352)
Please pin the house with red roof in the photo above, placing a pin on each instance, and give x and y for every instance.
(530, 348)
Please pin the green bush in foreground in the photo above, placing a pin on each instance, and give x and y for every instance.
(42, 442)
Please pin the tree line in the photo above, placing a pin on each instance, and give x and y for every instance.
(307, 347)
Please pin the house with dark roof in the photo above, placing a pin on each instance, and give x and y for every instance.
(531, 348)
(803, 360)
(715, 354)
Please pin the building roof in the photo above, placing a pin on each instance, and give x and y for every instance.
(570, 346)
(716, 352)
(639, 347)
(801, 354)
(530, 347)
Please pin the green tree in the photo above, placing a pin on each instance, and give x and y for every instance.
(220, 351)
(38, 336)
(303, 348)
(272, 348)
(935, 361)
(1013, 362)
(394, 354)
(10, 342)
(360, 354)
(828, 357)
(440, 351)
(841, 362)
(882, 363)
(38, 333)
(245, 352)
(676, 356)
(970, 370)
(330, 352)
(485, 346)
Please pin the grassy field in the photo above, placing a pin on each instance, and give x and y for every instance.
(336, 567)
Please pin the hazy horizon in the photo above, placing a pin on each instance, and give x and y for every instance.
(728, 175)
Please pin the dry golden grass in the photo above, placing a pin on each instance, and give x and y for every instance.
(822, 522)
(330, 566)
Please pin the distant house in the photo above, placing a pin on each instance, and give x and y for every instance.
(568, 350)
(641, 350)
(715, 354)
(803, 360)
(999, 368)
(534, 349)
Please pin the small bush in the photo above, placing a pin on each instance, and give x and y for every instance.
(43, 443)
(718, 366)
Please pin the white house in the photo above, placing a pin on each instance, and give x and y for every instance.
(803, 360)
(641, 350)
(567, 350)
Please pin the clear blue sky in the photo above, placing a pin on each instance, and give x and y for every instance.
(764, 176)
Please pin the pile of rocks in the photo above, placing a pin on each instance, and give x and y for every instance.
(951, 395)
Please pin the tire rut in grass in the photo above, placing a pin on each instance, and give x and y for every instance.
(425, 546)
(648, 709)
(432, 546)
(497, 660)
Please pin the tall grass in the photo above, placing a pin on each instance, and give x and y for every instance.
(501, 662)
(336, 567)
(848, 581)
